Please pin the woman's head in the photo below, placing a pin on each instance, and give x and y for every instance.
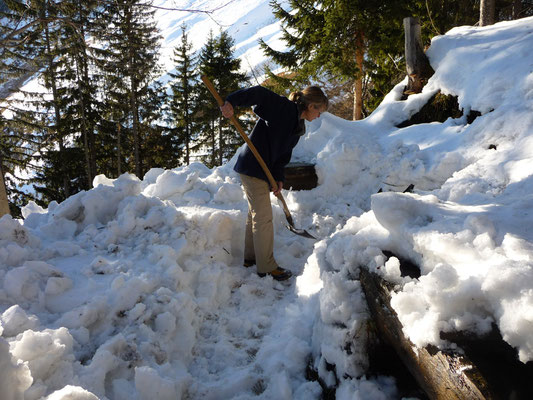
(312, 101)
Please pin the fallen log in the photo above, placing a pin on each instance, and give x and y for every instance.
(443, 375)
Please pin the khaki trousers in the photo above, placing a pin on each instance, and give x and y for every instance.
(259, 237)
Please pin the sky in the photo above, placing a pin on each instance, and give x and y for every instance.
(135, 289)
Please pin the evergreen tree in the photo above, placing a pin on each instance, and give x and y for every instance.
(206, 109)
(20, 57)
(71, 76)
(437, 17)
(229, 80)
(217, 62)
(160, 146)
(134, 44)
(334, 37)
(28, 127)
(183, 92)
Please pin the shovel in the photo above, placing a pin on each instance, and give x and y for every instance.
(271, 179)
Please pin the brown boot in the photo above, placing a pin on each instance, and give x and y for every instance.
(248, 263)
(278, 274)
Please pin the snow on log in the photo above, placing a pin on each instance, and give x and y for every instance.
(442, 375)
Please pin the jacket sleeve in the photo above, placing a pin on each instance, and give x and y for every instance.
(266, 104)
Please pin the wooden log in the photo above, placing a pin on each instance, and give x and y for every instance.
(300, 176)
(418, 67)
(442, 375)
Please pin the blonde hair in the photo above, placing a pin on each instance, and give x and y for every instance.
(310, 95)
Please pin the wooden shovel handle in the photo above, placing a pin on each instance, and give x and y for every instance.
(238, 126)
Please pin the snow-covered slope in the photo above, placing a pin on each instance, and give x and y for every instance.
(135, 289)
(246, 21)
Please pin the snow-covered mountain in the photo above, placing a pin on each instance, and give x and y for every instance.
(246, 21)
(136, 289)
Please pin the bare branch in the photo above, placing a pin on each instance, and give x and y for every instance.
(190, 10)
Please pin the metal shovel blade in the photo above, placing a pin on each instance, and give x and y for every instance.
(290, 222)
(301, 232)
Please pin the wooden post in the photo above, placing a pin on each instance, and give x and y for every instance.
(4, 203)
(418, 68)
(486, 12)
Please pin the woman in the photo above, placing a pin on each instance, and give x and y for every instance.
(280, 126)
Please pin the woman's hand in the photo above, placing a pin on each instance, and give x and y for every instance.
(227, 109)
(277, 190)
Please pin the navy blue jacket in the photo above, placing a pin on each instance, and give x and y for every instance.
(274, 135)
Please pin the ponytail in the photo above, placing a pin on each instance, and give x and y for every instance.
(296, 97)
(311, 94)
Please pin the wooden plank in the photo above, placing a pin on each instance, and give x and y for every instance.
(442, 375)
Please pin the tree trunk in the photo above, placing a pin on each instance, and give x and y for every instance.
(187, 131)
(418, 68)
(119, 150)
(517, 8)
(486, 12)
(213, 143)
(83, 78)
(220, 142)
(135, 128)
(83, 127)
(442, 375)
(358, 88)
(86, 96)
(187, 143)
(4, 203)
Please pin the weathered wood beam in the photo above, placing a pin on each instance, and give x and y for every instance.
(442, 375)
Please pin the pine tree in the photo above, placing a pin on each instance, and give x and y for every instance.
(206, 109)
(19, 59)
(160, 146)
(134, 44)
(183, 92)
(27, 129)
(334, 37)
(217, 62)
(229, 80)
(72, 77)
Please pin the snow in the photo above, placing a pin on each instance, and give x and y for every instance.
(135, 289)
(246, 21)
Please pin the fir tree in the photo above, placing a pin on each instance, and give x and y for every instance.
(72, 77)
(229, 80)
(217, 62)
(26, 130)
(160, 146)
(134, 44)
(334, 37)
(183, 92)
(206, 108)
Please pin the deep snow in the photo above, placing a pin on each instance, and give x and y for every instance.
(135, 289)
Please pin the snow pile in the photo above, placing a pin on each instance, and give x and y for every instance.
(136, 290)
